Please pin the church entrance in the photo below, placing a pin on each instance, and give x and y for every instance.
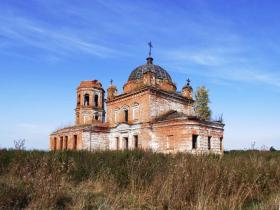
(125, 142)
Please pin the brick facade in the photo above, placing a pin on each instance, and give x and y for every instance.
(149, 114)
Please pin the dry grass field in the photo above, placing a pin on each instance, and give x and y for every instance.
(138, 180)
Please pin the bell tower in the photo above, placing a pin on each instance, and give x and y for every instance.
(90, 103)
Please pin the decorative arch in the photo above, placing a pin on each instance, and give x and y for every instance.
(135, 104)
(116, 109)
(125, 107)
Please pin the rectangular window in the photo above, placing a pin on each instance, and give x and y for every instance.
(116, 116)
(135, 141)
(194, 141)
(170, 142)
(85, 119)
(79, 100)
(209, 142)
(75, 140)
(96, 100)
(66, 143)
(135, 113)
(61, 143)
(96, 116)
(126, 116)
(117, 143)
(221, 143)
(125, 142)
(54, 143)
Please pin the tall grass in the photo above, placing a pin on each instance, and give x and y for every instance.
(138, 180)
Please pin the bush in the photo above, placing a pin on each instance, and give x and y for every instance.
(16, 197)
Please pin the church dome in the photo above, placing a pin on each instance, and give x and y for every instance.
(159, 72)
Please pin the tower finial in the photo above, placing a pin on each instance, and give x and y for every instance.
(111, 81)
(150, 50)
(188, 81)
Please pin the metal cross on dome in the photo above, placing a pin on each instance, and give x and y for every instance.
(188, 81)
(150, 46)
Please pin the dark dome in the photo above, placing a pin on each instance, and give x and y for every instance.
(149, 66)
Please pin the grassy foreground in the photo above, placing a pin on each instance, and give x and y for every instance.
(138, 180)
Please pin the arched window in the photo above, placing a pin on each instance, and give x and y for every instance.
(86, 100)
(79, 100)
(96, 100)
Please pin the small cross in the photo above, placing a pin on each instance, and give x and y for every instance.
(111, 81)
(188, 81)
(150, 46)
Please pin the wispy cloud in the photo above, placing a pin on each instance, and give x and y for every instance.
(222, 63)
(27, 126)
(20, 31)
(206, 41)
(249, 75)
(202, 56)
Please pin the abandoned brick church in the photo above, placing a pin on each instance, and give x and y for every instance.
(149, 114)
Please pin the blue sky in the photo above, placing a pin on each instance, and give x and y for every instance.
(48, 46)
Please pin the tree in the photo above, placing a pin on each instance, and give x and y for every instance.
(272, 149)
(19, 144)
(201, 103)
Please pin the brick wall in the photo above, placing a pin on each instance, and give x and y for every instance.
(142, 99)
(73, 136)
(93, 140)
(160, 105)
(151, 104)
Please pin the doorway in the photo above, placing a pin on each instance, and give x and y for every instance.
(125, 143)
